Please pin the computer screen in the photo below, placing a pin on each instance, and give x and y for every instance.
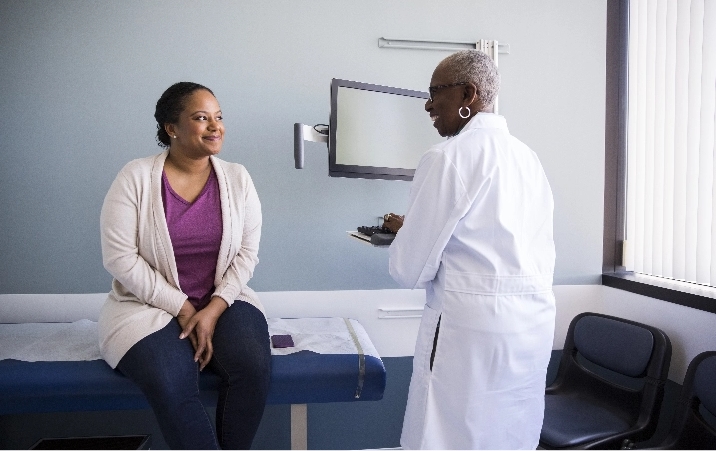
(377, 132)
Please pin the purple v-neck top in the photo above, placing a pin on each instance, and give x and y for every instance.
(195, 230)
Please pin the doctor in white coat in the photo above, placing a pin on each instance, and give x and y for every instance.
(477, 236)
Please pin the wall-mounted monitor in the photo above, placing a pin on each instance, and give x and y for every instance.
(377, 132)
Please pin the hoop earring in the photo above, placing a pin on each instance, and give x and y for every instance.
(460, 112)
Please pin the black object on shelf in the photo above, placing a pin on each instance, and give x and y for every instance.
(382, 239)
(371, 230)
(107, 442)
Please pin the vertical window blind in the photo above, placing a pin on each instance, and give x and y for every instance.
(670, 196)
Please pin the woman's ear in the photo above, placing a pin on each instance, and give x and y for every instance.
(169, 128)
(472, 99)
(469, 94)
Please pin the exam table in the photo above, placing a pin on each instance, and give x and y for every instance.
(56, 367)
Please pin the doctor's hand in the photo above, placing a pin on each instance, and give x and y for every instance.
(393, 222)
(201, 325)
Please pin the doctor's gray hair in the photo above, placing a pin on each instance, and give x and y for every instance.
(476, 67)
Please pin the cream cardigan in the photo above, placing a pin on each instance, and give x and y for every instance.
(138, 253)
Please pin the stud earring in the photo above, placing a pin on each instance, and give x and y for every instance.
(175, 136)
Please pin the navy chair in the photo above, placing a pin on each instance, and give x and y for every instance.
(609, 385)
(689, 428)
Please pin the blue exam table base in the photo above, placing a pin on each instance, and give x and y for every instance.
(297, 379)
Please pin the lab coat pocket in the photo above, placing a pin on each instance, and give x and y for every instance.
(426, 337)
(416, 410)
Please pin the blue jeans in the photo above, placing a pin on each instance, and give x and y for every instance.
(163, 366)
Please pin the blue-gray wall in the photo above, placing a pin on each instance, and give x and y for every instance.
(79, 81)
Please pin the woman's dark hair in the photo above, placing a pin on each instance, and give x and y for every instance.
(170, 105)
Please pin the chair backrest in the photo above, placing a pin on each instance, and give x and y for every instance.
(689, 429)
(704, 387)
(623, 346)
(619, 362)
(614, 344)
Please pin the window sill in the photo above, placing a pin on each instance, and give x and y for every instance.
(682, 293)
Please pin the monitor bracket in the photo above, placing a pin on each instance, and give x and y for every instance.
(303, 132)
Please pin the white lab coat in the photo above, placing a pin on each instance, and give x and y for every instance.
(478, 237)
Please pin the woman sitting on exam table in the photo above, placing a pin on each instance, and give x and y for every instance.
(180, 236)
(477, 235)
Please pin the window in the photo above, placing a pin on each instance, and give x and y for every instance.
(670, 207)
(661, 198)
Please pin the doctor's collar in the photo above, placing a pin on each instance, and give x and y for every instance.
(483, 114)
(459, 130)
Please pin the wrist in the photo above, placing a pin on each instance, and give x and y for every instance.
(187, 309)
(218, 304)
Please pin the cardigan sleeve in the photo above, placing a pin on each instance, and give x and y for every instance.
(123, 224)
(241, 268)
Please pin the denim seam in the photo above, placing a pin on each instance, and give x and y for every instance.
(198, 395)
(226, 397)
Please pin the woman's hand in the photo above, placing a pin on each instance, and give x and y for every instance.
(393, 222)
(185, 314)
(201, 326)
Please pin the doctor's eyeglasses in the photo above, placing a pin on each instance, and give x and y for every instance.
(433, 89)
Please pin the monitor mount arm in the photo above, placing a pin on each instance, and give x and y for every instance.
(303, 132)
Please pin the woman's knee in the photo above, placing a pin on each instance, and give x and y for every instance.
(242, 318)
(242, 330)
(162, 366)
(249, 363)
